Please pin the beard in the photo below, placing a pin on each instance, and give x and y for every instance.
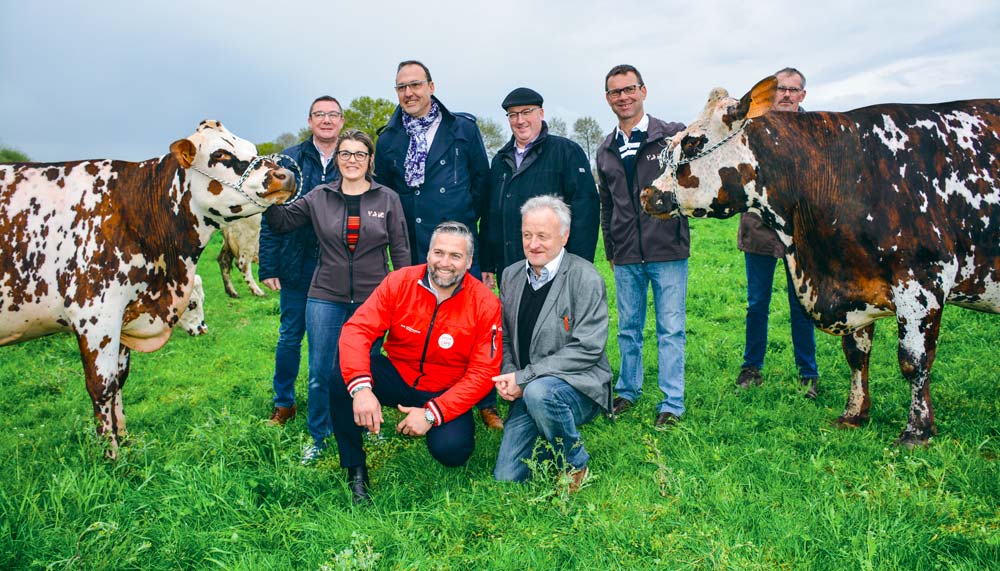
(442, 280)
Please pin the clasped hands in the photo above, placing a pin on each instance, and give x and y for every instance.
(368, 414)
(507, 387)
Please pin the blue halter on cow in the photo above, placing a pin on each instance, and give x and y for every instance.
(889, 210)
(108, 249)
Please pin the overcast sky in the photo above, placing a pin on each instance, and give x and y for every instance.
(102, 79)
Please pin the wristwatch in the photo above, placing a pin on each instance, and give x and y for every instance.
(429, 416)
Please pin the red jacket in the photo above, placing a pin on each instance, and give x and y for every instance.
(454, 346)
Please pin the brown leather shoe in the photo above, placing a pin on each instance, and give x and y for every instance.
(665, 421)
(620, 405)
(282, 414)
(491, 418)
(578, 478)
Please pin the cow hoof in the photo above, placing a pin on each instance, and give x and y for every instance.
(851, 422)
(232, 294)
(911, 439)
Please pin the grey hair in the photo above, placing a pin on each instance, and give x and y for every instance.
(553, 203)
(795, 71)
(456, 229)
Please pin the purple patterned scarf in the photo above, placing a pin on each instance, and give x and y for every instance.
(416, 153)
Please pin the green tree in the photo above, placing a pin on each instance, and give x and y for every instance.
(557, 126)
(493, 135)
(304, 133)
(368, 114)
(11, 155)
(587, 132)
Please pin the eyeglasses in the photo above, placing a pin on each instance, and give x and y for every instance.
(412, 86)
(359, 156)
(322, 115)
(627, 90)
(513, 115)
(792, 90)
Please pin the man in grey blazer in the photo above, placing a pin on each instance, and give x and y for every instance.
(555, 371)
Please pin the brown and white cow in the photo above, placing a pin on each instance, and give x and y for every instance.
(193, 319)
(107, 249)
(887, 211)
(240, 243)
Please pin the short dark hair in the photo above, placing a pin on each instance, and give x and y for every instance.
(325, 98)
(361, 137)
(403, 64)
(795, 71)
(622, 69)
(456, 229)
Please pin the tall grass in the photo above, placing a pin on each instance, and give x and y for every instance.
(748, 480)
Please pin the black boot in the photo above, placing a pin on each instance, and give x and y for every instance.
(357, 480)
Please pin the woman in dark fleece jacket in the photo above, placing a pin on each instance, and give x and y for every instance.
(355, 219)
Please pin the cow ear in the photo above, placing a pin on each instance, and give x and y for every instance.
(761, 96)
(757, 101)
(184, 151)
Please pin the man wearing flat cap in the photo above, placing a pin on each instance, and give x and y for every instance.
(535, 162)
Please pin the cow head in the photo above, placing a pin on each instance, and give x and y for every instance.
(710, 170)
(193, 318)
(228, 180)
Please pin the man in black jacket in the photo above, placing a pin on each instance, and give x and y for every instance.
(287, 260)
(535, 162)
(644, 251)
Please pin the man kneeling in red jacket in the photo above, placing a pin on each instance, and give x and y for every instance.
(443, 348)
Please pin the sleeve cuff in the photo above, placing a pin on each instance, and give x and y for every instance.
(436, 411)
(359, 383)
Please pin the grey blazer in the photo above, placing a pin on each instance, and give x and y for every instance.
(570, 334)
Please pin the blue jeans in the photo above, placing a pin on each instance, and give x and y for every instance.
(451, 444)
(760, 279)
(669, 283)
(324, 320)
(552, 409)
(288, 353)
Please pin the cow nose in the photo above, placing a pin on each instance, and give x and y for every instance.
(280, 175)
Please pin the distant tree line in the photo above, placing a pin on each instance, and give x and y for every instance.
(12, 155)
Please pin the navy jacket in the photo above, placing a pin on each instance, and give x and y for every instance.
(456, 176)
(553, 165)
(291, 256)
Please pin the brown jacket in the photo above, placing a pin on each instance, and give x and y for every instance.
(755, 238)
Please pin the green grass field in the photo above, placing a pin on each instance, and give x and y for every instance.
(753, 480)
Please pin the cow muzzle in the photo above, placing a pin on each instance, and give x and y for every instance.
(659, 203)
(279, 185)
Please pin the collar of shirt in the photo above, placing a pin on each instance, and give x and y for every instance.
(520, 153)
(642, 126)
(432, 130)
(325, 158)
(548, 271)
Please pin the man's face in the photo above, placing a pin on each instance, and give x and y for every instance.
(790, 92)
(448, 259)
(415, 95)
(626, 107)
(326, 129)
(541, 237)
(525, 122)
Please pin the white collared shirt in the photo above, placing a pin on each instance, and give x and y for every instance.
(548, 271)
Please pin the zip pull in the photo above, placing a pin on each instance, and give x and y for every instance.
(493, 341)
(566, 322)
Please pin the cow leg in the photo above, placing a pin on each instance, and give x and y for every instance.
(105, 366)
(245, 264)
(225, 260)
(919, 321)
(857, 349)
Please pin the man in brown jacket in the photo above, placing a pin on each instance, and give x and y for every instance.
(761, 250)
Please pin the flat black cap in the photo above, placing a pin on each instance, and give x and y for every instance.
(521, 96)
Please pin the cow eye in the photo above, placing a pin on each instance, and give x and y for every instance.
(691, 146)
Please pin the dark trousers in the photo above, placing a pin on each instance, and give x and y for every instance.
(451, 443)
